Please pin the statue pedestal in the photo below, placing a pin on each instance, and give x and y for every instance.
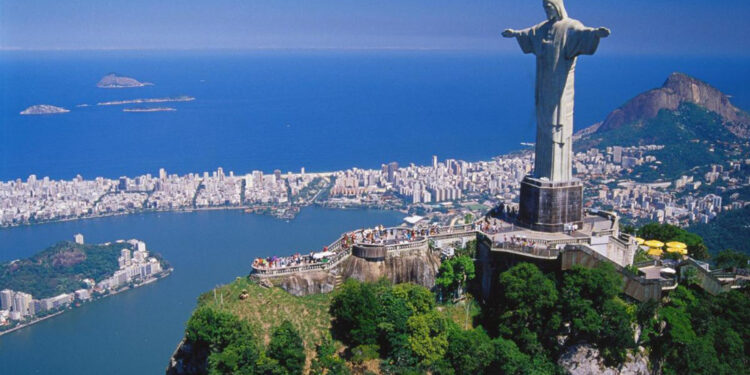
(550, 206)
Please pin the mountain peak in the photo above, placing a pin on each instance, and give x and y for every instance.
(677, 89)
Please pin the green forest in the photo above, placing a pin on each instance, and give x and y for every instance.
(730, 230)
(403, 329)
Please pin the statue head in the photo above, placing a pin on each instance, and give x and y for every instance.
(555, 9)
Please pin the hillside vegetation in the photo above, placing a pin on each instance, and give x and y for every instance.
(730, 230)
(60, 268)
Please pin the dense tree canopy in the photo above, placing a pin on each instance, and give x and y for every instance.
(287, 349)
(523, 329)
(454, 273)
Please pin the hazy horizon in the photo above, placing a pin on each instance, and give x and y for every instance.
(694, 27)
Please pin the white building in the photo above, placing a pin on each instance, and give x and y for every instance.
(6, 299)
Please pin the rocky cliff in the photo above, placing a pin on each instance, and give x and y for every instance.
(679, 88)
(418, 267)
(585, 360)
(307, 283)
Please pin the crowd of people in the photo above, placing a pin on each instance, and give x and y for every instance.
(281, 262)
(522, 243)
(376, 235)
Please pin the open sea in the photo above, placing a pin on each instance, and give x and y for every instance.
(322, 110)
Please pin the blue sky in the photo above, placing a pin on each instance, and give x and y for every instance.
(639, 26)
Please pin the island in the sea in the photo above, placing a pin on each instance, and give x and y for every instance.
(181, 98)
(115, 81)
(150, 109)
(69, 274)
(43, 109)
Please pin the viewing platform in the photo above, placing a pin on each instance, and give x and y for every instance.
(373, 244)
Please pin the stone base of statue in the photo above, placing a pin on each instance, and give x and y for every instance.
(551, 206)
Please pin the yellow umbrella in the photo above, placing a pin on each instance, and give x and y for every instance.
(676, 245)
(654, 251)
(683, 251)
(639, 240)
(654, 243)
(674, 250)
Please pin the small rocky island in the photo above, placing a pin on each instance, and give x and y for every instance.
(182, 98)
(150, 109)
(43, 109)
(115, 81)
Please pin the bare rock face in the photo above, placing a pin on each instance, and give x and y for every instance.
(308, 283)
(585, 360)
(187, 360)
(679, 88)
(418, 268)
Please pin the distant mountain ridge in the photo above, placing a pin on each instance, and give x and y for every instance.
(679, 88)
(696, 122)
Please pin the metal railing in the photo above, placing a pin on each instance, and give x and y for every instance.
(317, 266)
(536, 251)
(342, 251)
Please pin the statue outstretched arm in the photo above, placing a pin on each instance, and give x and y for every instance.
(583, 40)
(510, 33)
(524, 38)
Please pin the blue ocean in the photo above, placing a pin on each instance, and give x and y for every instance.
(265, 110)
(322, 110)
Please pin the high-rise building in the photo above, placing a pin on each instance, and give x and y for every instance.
(123, 185)
(162, 174)
(6, 299)
(617, 154)
(434, 161)
(23, 304)
(392, 168)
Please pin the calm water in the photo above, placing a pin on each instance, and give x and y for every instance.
(321, 110)
(135, 332)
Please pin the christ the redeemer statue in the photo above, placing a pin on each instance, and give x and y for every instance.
(556, 43)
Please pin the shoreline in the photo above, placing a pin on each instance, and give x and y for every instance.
(35, 321)
(196, 209)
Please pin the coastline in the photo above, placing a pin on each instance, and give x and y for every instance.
(198, 209)
(150, 280)
(214, 208)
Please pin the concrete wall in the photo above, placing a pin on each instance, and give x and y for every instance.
(635, 286)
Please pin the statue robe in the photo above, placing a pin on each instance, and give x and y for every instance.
(556, 46)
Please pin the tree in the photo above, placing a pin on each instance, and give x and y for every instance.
(730, 259)
(214, 329)
(355, 309)
(326, 361)
(616, 334)
(469, 352)
(528, 307)
(287, 349)
(454, 273)
(428, 337)
(228, 343)
(666, 232)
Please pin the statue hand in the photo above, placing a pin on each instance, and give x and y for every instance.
(510, 33)
(602, 32)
